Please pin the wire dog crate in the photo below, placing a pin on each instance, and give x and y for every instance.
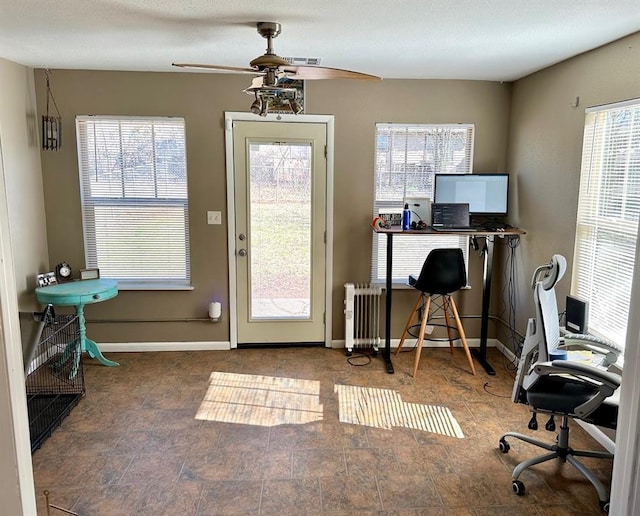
(54, 374)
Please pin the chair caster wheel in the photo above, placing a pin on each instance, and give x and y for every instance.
(504, 446)
(517, 487)
(604, 506)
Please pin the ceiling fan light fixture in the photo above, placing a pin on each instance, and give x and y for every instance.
(256, 107)
(265, 107)
(295, 106)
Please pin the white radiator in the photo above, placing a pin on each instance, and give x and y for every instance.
(362, 316)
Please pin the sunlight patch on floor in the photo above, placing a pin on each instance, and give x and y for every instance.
(260, 400)
(384, 408)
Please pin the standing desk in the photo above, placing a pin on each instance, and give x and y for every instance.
(489, 238)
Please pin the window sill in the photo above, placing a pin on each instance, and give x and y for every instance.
(146, 286)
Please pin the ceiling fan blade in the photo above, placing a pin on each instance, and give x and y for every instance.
(323, 72)
(221, 68)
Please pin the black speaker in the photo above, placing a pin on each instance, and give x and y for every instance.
(577, 315)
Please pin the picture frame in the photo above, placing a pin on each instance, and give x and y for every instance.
(46, 278)
(89, 274)
(391, 218)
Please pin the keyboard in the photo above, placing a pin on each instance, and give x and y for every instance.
(455, 228)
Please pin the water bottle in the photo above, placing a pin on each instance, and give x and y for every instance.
(406, 218)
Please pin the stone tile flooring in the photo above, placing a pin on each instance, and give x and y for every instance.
(134, 447)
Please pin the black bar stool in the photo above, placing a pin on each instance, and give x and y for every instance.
(443, 273)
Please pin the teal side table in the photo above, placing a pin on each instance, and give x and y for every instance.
(78, 294)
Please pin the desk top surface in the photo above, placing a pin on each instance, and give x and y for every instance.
(75, 292)
(430, 231)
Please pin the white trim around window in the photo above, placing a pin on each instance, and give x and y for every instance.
(135, 208)
(607, 218)
(407, 158)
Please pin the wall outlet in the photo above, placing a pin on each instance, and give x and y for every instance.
(428, 329)
(214, 217)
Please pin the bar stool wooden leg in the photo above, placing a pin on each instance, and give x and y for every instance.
(463, 337)
(408, 325)
(425, 317)
(445, 306)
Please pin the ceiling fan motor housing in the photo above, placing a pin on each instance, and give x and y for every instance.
(268, 29)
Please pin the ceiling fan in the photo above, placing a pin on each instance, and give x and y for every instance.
(273, 72)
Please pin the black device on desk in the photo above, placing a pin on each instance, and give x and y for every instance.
(576, 315)
(450, 216)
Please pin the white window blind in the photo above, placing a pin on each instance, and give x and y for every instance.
(607, 221)
(407, 159)
(133, 181)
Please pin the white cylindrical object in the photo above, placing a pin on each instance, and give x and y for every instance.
(215, 310)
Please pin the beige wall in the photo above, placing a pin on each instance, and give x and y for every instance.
(357, 107)
(19, 128)
(545, 148)
(202, 102)
(202, 99)
(23, 249)
(537, 117)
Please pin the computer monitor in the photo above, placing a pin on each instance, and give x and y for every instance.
(486, 194)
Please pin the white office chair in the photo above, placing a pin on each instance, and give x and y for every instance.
(571, 390)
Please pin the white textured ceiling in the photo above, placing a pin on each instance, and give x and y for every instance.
(456, 39)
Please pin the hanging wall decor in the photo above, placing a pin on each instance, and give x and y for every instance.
(51, 125)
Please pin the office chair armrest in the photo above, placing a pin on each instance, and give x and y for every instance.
(580, 369)
(606, 382)
(610, 350)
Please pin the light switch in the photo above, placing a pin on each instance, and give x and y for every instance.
(214, 217)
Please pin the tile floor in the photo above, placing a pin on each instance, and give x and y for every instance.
(134, 447)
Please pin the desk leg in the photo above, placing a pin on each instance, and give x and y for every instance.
(88, 345)
(387, 309)
(481, 353)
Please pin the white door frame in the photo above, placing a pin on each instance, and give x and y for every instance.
(625, 499)
(229, 118)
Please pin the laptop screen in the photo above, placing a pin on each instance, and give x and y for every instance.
(450, 215)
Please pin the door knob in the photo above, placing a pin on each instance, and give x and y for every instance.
(242, 252)
(242, 236)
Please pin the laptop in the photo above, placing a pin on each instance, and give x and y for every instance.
(450, 217)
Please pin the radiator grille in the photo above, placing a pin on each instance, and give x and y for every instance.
(362, 316)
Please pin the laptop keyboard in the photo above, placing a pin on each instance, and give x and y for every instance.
(461, 229)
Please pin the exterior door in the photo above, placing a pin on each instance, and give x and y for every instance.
(280, 193)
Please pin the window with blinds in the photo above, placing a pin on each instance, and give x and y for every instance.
(607, 220)
(407, 159)
(135, 211)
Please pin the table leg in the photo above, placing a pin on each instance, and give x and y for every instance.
(72, 350)
(481, 353)
(387, 340)
(93, 351)
(89, 345)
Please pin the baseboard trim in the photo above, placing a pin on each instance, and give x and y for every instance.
(473, 343)
(506, 352)
(136, 347)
